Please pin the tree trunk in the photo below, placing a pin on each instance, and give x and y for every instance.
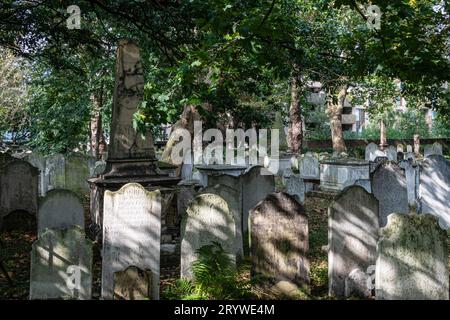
(96, 129)
(383, 140)
(334, 110)
(295, 117)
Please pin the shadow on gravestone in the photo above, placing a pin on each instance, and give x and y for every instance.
(208, 219)
(388, 184)
(279, 240)
(133, 284)
(352, 238)
(412, 261)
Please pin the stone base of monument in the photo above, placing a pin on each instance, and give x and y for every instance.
(98, 187)
(336, 174)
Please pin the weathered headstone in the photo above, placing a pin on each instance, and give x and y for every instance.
(208, 219)
(412, 261)
(61, 265)
(295, 186)
(232, 198)
(131, 234)
(388, 184)
(370, 151)
(412, 182)
(365, 183)
(409, 148)
(352, 236)
(434, 149)
(434, 188)
(391, 153)
(132, 284)
(336, 174)
(38, 161)
(256, 185)
(55, 172)
(19, 188)
(60, 209)
(309, 166)
(279, 239)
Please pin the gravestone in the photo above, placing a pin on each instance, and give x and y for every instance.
(38, 161)
(61, 265)
(187, 189)
(412, 261)
(5, 158)
(256, 185)
(131, 234)
(365, 183)
(309, 166)
(400, 148)
(336, 174)
(60, 209)
(55, 172)
(388, 185)
(295, 186)
(391, 153)
(434, 188)
(132, 284)
(352, 237)
(412, 182)
(78, 169)
(232, 198)
(208, 219)
(19, 188)
(409, 148)
(279, 239)
(434, 149)
(370, 151)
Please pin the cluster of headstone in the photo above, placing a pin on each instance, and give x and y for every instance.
(398, 256)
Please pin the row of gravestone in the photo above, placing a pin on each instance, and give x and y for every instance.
(372, 152)
(407, 258)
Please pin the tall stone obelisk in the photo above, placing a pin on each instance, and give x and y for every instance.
(130, 153)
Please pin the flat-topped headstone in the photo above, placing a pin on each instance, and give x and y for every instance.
(352, 237)
(60, 209)
(309, 166)
(412, 261)
(206, 171)
(336, 174)
(131, 234)
(208, 220)
(370, 151)
(434, 188)
(434, 149)
(61, 265)
(19, 188)
(132, 284)
(279, 239)
(388, 184)
(232, 198)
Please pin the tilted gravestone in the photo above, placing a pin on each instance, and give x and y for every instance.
(231, 196)
(131, 234)
(295, 186)
(208, 220)
(61, 265)
(60, 209)
(279, 239)
(434, 188)
(370, 151)
(19, 188)
(412, 261)
(352, 237)
(388, 184)
(132, 284)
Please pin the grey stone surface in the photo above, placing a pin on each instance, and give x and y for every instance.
(434, 188)
(309, 166)
(279, 239)
(38, 161)
(131, 234)
(365, 183)
(370, 151)
(187, 189)
(133, 284)
(412, 171)
(60, 209)
(389, 187)
(412, 261)
(434, 149)
(232, 198)
(205, 171)
(356, 284)
(336, 174)
(295, 186)
(208, 219)
(352, 236)
(391, 153)
(19, 188)
(58, 257)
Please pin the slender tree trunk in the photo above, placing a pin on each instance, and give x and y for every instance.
(383, 140)
(334, 110)
(295, 116)
(96, 129)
